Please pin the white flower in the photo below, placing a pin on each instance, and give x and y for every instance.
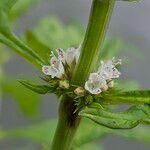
(56, 68)
(108, 69)
(72, 54)
(61, 55)
(102, 80)
(95, 83)
(68, 56)
(57, 63)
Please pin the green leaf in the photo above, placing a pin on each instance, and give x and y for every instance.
(89, 132)
(41, 89)
(137, 94)
(114, 96)
(53, 34)
(134, 96)
(119, 120)
(20, 7)
(40, 48)
(7, 4)
(23, 97)
(9, 43)
(9, 38)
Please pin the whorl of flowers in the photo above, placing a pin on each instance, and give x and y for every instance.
(103, 78)
(60, 61)
(64, 61)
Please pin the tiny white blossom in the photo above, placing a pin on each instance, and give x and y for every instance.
(102, 80)
(68, 56)
(108, 69)
(72, 54)
(61, 55)
(95, 83)
(56, 68)
(57, 63)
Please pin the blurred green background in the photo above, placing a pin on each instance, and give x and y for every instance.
(47, 25)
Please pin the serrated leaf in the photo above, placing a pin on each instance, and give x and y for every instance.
(134, 96)
(40, 89)
(122, 120)
(111, 123)
(127, 97)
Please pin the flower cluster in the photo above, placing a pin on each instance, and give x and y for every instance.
(103, 79)
(60, 60)
(97, 82)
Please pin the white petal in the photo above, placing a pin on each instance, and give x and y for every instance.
(77, 54)
(89, 86)
(94, 77)
(108, 69)
(55, 70)
(61, 68)
(71, 55)
(49, 70)
(46, 70)
(95, 83)
(54, 60)
(61, 55)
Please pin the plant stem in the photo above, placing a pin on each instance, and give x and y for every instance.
(68, 120)
(99, 19)
(67, 126)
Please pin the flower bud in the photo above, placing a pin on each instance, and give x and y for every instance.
(64, 84)
(110, 84)
(104, 88)
(79, 91)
